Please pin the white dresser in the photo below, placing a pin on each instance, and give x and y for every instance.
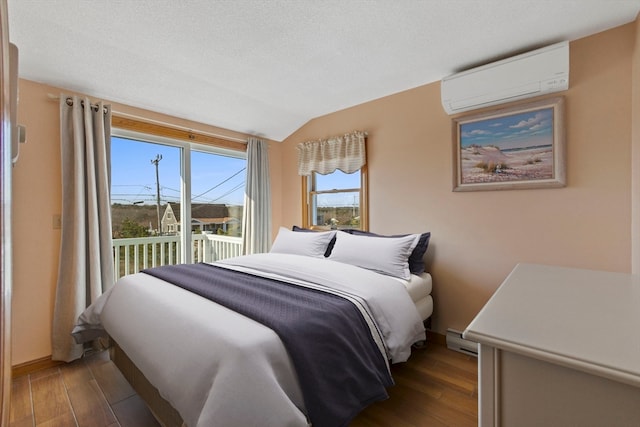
(559, 347)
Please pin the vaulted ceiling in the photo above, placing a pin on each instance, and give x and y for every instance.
(266, 67)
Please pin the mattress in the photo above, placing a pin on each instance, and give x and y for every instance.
(419, 288)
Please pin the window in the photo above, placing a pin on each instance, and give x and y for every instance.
(336, 200)
(145, 177)
(162, 186)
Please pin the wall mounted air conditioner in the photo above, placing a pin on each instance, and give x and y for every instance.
(534, 73)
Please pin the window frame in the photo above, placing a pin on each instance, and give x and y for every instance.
(308, 186)
(176, 133)
(186, 142)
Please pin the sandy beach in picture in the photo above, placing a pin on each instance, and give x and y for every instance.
(511, 148)
(490, 164)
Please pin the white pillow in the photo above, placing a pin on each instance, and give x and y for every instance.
(308, 244)
(386, 255)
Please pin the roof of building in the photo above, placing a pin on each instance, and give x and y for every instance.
(202, 211)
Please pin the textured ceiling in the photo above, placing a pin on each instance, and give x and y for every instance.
(267, 67)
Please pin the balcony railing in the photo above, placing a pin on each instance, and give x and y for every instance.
(134, 254)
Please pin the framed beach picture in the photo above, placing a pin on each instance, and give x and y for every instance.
(515, 147)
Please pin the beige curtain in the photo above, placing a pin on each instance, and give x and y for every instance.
(256, 218)
(346, 152)
(86, 259)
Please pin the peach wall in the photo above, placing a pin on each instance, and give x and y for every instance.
(478, 237)
(635, 149)
(37, 198)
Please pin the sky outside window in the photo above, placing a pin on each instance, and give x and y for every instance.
(338, 180)
(214, 178)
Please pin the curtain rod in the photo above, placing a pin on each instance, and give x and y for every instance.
(94, 107)
(159, 122)
(69, 102)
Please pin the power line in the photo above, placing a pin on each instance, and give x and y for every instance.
(218, 185)
(230, 191)
(147, 196)
(170, 189)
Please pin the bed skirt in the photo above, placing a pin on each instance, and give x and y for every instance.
(162, 410)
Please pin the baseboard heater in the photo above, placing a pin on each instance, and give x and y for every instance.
(457, 343)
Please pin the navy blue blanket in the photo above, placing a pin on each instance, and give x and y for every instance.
(339, 366)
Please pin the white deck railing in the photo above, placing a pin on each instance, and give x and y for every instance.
(134, 254)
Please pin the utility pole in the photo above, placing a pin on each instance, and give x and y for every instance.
(155, 162)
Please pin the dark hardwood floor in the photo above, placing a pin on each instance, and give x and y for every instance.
(436, 387)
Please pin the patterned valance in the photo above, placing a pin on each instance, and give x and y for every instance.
(346, 152)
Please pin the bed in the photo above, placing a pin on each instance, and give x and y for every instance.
(217, 367)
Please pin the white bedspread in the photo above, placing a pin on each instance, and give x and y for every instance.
(217, 367)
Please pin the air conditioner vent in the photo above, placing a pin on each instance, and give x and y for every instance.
(534, 73)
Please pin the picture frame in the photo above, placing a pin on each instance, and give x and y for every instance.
(521, 146)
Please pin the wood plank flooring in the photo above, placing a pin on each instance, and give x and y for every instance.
(89, 392)
(436, 387)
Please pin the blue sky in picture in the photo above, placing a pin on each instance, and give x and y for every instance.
(214, 178)
(528, 129)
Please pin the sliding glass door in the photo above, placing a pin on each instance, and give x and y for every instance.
(174, 202)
